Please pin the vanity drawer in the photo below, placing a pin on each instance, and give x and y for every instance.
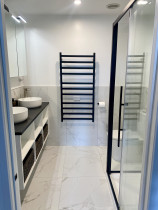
(39, 144)
(28, 163)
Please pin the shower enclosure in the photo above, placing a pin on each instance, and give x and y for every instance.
(130, 91)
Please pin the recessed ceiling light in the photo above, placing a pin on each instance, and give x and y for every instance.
(113, 6)
(18, 21)
(21, 18)
(77, 2)
(142, 2)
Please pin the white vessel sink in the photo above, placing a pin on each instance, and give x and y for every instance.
(20, 114)
(30, 102)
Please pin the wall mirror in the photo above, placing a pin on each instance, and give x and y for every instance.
(11, 45)
(21, 49)
(16, 46)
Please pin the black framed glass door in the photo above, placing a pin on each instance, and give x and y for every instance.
(129, 84)
(118, 79)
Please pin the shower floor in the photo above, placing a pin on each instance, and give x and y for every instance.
(130, 184)
(71, 178)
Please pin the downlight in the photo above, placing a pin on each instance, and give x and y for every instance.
(142, 2)
(77, 2)
(22, 19)
(18, 21)
(113, 6)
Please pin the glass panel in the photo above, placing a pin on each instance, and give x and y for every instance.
(141, 26)
(11, 45)
(122, 51)
(21, 49)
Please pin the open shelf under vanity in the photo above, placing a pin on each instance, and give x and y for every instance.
(31, 137)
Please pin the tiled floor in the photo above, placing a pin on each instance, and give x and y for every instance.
(70, 178)
(130, 183)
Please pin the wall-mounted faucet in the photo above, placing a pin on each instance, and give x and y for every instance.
(26, 92)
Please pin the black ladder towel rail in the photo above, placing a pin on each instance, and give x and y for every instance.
(78, 67)
(133, 90)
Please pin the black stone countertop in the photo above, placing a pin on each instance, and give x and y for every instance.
(20, 128)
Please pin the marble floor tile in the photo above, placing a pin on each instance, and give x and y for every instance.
(55, 150)
(126, 166)
(115, 165)
(104, 163)
(102, 150)
(130, 188)
(81, 150)
(51, 163)
(81, 133)
(43, 194)
(115, 178)
(70, 178)
(86, 194)
(80, 142)
(102, 141)
(83, 162)
(103, 156)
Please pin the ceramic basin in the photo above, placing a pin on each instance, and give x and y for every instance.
(20, 114)
(30, 102)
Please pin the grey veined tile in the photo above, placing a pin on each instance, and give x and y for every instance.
(85, 194)
(83, 163)
(51, 163)
(81, 150)
(81, 133)
(43, 194)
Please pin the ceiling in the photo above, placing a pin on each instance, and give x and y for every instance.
(64, 7)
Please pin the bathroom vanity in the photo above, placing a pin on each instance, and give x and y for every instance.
(31, 136)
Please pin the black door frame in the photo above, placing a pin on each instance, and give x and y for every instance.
(111, 95)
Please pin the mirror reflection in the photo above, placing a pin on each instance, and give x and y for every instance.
(21, 49)
(11, 45)
(15, 33)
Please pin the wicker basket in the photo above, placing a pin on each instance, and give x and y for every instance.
(39, 144)
(45, 131)
(28, 163)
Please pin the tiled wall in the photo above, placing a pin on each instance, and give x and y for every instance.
(83, 133)
(77, 132)
(17, 92)
(132, 123)
(144, 98)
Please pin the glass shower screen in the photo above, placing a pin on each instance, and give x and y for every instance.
(120, 75)
(141, 25)
(128, 101)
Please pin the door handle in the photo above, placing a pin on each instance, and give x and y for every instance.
(125, 104)
(120, 114)
(15, 177)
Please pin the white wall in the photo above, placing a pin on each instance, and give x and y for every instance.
(46, 36)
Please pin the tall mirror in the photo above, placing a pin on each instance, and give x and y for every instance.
(16, 45)
(11, 45)
(21, 49)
